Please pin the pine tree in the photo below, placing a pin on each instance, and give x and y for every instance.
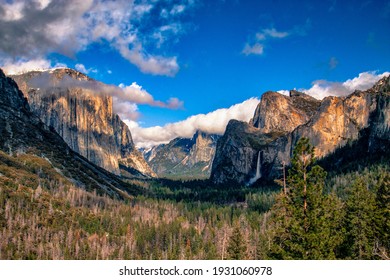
(360, 209)
(382, 219)
(306, 224)
(236, 248)
(278, 228)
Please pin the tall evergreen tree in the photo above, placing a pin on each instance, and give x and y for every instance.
(360, 209)
(382, 219)
(236, 248)
(306, 224)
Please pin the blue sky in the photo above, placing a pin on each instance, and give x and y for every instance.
(206, 54)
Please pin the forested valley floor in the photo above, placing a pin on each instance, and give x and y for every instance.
(319, 215)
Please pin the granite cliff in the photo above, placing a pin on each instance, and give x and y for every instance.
(24, 136)
(277, 112)
(248, 152)
(83, 116)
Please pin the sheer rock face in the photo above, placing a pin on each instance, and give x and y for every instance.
(280, 121)
(203, 150)
(71, 103)
(22, 132)
(277, 112)
(337, 121)
(184, 157)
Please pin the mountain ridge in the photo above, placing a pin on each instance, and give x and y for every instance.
(335, 122)
(184, 157)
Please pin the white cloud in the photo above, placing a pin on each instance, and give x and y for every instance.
(177, 9)
(323, 88)
(259, 41)
(143, 9)
(213, 122)
(10, 67)
(44, 3)
(216, 121)
(125, 109)
(13, 10)
(256, 49)
(165, 32)
(272, 33)
(157, 65)
(81, 68)
(136, 94)
(125, 98)
(31, 29)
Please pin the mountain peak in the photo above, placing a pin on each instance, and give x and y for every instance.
(61, 72)
(184, 157)
(277, 112)
(58, 73)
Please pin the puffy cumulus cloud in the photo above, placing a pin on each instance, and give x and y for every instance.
(213, 122)
(136, 94)
(323, 88)
(33, 29)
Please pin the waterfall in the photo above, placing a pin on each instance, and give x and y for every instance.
(258, 170)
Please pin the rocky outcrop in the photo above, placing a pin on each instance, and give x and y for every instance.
(280, 121)
(83, 116)
(184, 157)
(23, 133)
(277, 112)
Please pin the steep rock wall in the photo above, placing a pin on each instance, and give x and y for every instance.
(83, 117)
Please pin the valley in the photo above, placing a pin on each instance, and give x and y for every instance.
(73, 185)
